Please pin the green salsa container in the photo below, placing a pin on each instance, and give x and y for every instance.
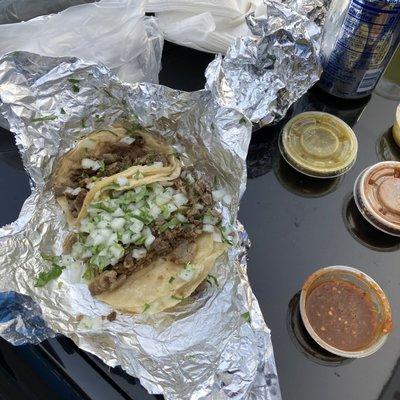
(318, 144)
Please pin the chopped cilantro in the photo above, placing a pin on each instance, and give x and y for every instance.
(83, 121)
(168, 225)
(171, 279)
(108, 93)
(138, 175)
(242, 120)
(49, 257)
(45, 118)
(75, 88)
(140, 241)
(102, 165)
(180, 298)
(62, 111)
(246, 316)
(140, 218)
(225, 237)
(212, 280)
(73, 81)
(101, 206)
(88, 274)
(45, 277)
(146, 307)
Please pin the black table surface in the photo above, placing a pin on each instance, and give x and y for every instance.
(296, 224)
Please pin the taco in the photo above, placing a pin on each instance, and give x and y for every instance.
(103, 156)
(148, 245)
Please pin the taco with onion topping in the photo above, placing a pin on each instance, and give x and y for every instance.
(113, 155)
(148, 244)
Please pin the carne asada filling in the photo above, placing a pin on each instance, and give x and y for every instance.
(107, 159)
(126, 232)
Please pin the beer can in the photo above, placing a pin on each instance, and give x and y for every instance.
(360, 36)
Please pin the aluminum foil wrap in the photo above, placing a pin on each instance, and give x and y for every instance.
(263, 74)
(214, 345)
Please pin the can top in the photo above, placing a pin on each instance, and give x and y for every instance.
(379, 194)
(319, 144)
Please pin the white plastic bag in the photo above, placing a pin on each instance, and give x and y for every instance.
(207, 25)
(109, 31)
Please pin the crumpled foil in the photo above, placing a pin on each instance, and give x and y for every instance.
(214, 345)
(264, 74)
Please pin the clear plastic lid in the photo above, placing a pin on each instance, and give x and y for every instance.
(377, 195)
(318, 144)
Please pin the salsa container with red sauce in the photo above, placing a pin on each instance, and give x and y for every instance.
(362, 281)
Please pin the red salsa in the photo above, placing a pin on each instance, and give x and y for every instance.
(342, 314)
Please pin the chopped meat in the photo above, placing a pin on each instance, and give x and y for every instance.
(80, 198)
(184, 253)
(116, 157)
(112, 316)
(108, 280)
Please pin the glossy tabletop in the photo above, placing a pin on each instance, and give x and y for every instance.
(296, 225)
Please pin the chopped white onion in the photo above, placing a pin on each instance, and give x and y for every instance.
(149, 240)
(118, 213)
(217, 237)
(180, 199)
(87, 163)
(136, 226)
(218, 195)
(127, 140)
(139, 253)
(208, 228)
(158, 164)
(102, 224)
(187, 273)
(71, 191)
(198, 206)
(180, 217)
(189, 178)
(117, 251)
(117, 224)
(162, 199)
(154, 211)
(209, 220)
(90, 185)
(126, 238)
(122, 181)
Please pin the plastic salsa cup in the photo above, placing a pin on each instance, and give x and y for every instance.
(377, 196)
(318, 144)
(368, 286)
(396, 126)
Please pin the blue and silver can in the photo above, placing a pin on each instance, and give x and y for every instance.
(359, 39)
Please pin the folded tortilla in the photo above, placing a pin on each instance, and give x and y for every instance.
(160, 285)
(92, 146)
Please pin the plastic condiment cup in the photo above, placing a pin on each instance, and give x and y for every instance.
(377, 196)
(396, 127)
(368, 285)
(318, 144)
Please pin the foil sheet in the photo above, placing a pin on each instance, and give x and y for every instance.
(214, 345)
(264, 74)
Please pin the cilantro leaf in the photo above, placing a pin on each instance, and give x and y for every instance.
(212, 280)
(180, 298)
(246, 316)
(45, 277)
(45, 118)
